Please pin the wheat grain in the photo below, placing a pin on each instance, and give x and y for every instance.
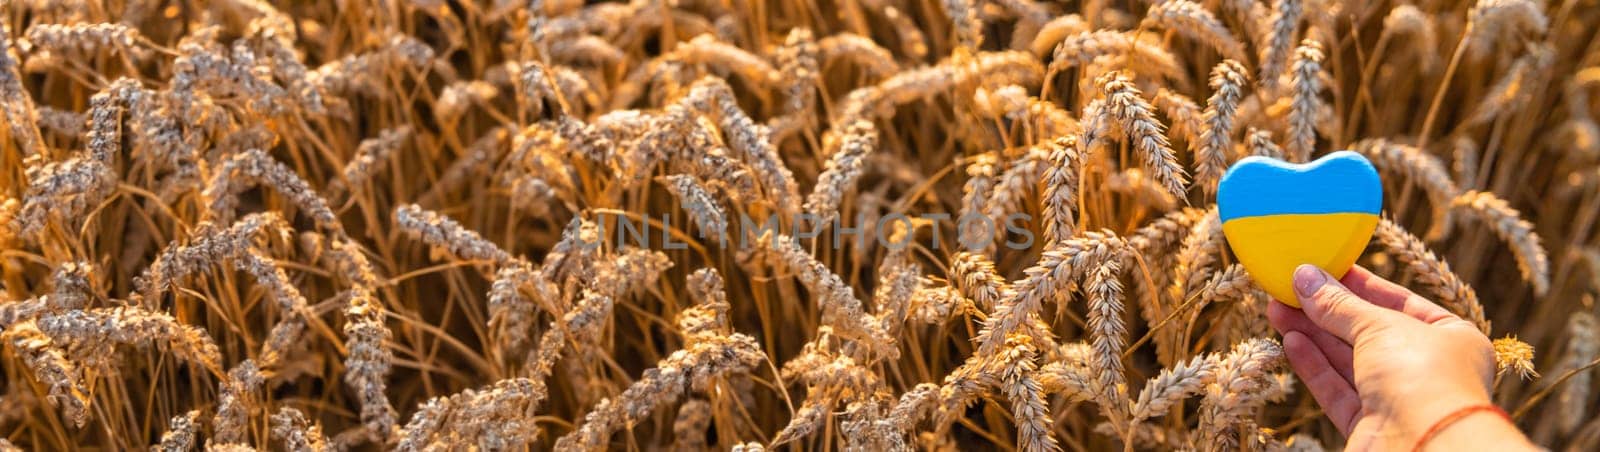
(61, 122)
(235, 401)
(208, 246)
(369, 361)
(1259, 142)
(490, 418)
(1449, 290)
(1191, 20)
(444, 233)
(1302, 112)
(707, 49)
(1511, 354)
(840, 307)
(964, 19)
(89, 331)
(298, 434)
(799, 64)
(1027, 397)
(1215, 141)
(1055, 31)
(1061, 264)
(859, 50)
(1060, 196)
(181, 433)
(857, 141)
(689, 428)
(1183, 113)
(975, 196)
(1502, 21)
(82, 38)
(1275, 46)
(1418, 168)
(1140, 56)
(1071, 376)
(802, 424)
(912, 40)
(1509, 225)
(373, 152)
(1572, 402)
(18, 106)
(62, 191)
(1133, 115)
(1145, 191)
(1509, 93)
(1109, 335)
(254, 166)
(1240, 376)
(1201, 249)
(1021, 176)
(703, 209)
(1411, 22)
(672, 376)
(72, 290)
(51, 366)
(1172, 385)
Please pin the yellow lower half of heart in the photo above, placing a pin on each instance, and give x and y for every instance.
(1271, 246)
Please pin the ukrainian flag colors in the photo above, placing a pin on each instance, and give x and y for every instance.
(1278, 215)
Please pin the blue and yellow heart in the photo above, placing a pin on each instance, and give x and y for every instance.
(1278, 215)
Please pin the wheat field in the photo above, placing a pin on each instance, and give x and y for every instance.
(749, 225)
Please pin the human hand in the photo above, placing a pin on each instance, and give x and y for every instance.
(1386, 365)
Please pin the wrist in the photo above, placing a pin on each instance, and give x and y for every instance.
(1428, 409)
(1473, 427)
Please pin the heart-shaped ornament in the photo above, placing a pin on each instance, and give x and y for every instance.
(1278, 215)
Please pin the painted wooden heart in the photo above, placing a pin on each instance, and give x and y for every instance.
(1278, 215)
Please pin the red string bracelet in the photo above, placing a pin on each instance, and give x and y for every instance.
(1453, 417)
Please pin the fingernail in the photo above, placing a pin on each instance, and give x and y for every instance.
(1307, 279)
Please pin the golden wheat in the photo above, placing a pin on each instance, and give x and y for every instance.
(867, 225)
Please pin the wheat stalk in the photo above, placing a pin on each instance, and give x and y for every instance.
(1172, 385)
(706, 212)
(857, 49)
(1448, 288)
(1275, 43)
(696, 366)
(298, 434)
(1573, 400)
(1061, 264)
(975, 195)
(444, 233)
(254, 166)
(1509, 93)
(63, 191)
(1026, 395)
(235, 401)
(1511, 354)
(1509, 225)
(1303, 111)
(181, 433)
(1241, 376)
(91, 330)
(1060, 197)
(1215, 141)
(1195, 22)
(51, 366)
(1418, 168)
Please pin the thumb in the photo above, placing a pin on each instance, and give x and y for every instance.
(1333, 307)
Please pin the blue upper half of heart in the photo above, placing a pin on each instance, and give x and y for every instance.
(1340, 182)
